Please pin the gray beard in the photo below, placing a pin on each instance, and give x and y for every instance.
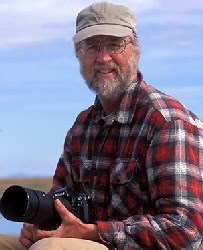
(110, 89)
(105, 89)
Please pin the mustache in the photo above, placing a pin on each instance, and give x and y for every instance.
(105, 67)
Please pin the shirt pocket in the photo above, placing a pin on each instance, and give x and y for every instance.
(125, 191)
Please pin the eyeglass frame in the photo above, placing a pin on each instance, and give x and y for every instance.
(105, 44)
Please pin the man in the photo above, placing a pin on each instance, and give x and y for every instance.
(136, 151)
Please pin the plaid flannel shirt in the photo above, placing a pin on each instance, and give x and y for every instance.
(143, 167)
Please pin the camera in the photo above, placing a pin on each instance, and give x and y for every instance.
(23, 204)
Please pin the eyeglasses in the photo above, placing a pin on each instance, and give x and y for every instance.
(91, 47)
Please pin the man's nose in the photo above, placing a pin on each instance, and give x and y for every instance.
(103, 55)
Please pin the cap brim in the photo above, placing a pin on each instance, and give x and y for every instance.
(102, 29)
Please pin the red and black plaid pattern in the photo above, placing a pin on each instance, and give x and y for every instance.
(143, 166)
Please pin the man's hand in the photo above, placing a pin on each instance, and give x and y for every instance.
(71, 227)
(26, 237)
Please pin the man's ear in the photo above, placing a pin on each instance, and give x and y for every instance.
(76, 50)
(138, 54)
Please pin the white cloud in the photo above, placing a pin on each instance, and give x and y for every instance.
(196, 90)
(182, 5)
(42, 21)
(27, 22)
(172, 18)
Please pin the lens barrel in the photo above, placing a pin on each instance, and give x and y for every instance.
(31, 206)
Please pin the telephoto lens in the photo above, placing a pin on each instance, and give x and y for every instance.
(31, 206)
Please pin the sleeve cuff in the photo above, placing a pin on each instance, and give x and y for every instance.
(111, 232)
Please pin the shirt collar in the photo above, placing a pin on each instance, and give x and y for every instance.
(125, 112)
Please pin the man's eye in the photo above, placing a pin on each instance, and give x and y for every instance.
(115, 44)
(91, 47)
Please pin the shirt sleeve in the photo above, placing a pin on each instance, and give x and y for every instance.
(174, 165)
(63, 174)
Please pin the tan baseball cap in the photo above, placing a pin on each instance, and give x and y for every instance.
(104, 19)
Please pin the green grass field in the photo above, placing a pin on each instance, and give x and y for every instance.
(41, 183)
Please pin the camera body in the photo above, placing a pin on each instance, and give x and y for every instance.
(23, 204)
(81, 204)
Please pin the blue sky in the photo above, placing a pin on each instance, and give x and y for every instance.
(41, 90)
